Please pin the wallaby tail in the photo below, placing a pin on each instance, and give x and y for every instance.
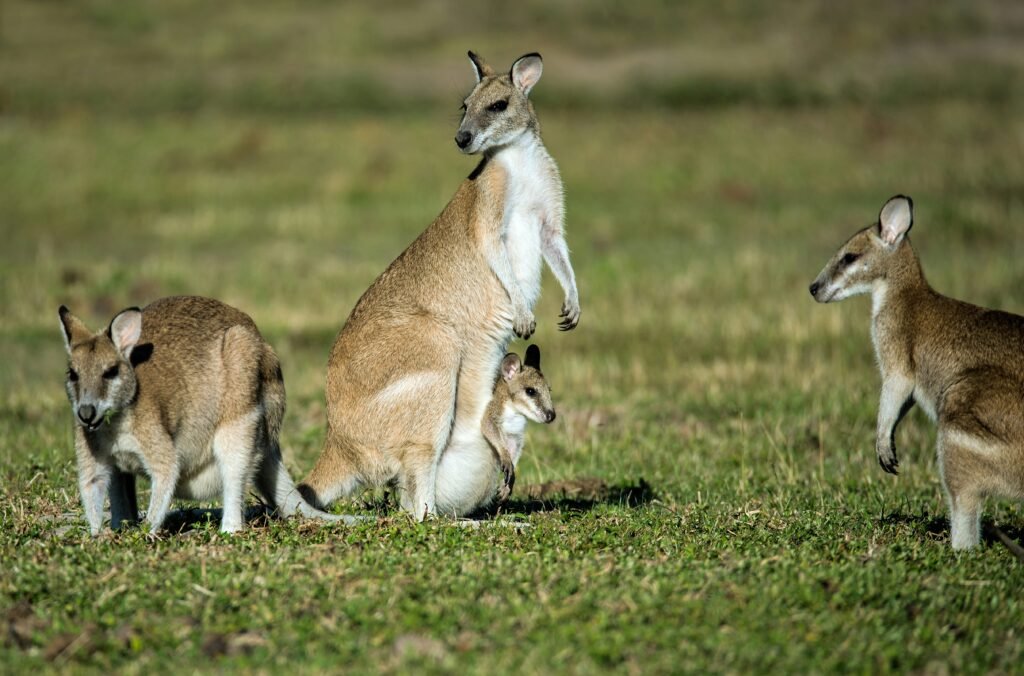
(273, 479)
(331, 477)
(277, 488)
(274, 396)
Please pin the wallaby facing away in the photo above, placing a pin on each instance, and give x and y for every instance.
(186, 391)
(413, 369)
(466, 476)
(964, 365)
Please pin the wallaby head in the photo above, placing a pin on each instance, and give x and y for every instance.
(498, 109)
(100, 378)
(869, 256)
(529, 391)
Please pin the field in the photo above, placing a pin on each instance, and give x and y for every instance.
(708, 499)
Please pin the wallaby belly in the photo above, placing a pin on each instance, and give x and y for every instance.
(466, 477)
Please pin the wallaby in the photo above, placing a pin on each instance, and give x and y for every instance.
(186, 391)
(466, 476)
(412, 370)
(964, 365)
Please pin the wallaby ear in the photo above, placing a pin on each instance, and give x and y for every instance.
(125, 329)
(72, 328)
(480, 66)
(533, 357)
(895, 219)
(510, 366)
(526, 72)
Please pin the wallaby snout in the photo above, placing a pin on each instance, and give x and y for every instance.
(463, 139)
(87, 414)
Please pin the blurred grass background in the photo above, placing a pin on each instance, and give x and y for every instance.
(278, 155)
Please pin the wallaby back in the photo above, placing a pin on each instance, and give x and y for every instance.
(961, 363)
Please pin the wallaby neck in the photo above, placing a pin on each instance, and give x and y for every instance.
(904, 276)
(527, 147)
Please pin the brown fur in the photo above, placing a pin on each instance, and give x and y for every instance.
(412, 368)
(521, 391)
(962, 363)
(452, 338)
(197, 405)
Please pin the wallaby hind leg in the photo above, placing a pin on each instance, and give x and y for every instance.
(962, 471)
(419, 481)
(965, 520)
(234, 451)
(420, 459)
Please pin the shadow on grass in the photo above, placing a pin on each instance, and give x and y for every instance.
(570, 495)
(574, 495)
(185, 520)
(934, 525)
(991, 533)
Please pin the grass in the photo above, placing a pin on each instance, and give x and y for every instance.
(769, 539)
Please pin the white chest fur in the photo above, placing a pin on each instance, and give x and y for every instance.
(198, 479)
(127, 453)
(533, 197)
(513, 429)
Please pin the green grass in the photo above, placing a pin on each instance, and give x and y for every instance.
(713, 161)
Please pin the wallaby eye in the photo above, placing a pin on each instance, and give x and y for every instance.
(498, 106)
(463, 107)
(530, 392)
(112, 372)
(848, 258)
(73, 375)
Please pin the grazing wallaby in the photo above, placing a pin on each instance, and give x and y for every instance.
(412, 370)
(466, 475)
(964, 365)
(186, 391)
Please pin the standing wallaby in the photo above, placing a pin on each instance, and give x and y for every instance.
(186, 391)
(412, 370)
(466, 476)
(964, 365)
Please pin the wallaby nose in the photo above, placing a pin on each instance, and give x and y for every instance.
(814, 288)
(549, 416)
(86, 413)
(463, 139)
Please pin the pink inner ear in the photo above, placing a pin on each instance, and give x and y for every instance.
(527, 75)
(127, 332)
(511, 370)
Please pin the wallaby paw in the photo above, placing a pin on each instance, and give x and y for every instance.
(509, 471)
(887, 458)
(524, 324)
(570, 315)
